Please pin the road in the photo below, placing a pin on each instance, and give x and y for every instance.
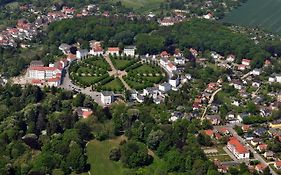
(210, 102)
(117, 73)
(248, 146)
(68, 85)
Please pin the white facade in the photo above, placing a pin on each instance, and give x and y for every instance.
(180, 61)
(165, 87)
(36, 74)
(238, 154)
(271, 79)
(107, 98)
(129, 51)
(278, 78)
(174, 82)
(81, 53)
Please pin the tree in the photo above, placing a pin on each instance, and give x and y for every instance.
(115, 154)
(175, 161)
(154, 138)
(135, 154)
(76, 160)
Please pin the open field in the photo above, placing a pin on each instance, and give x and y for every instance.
(98, 152)
(114, 85)
(141, 5)
(258, 13)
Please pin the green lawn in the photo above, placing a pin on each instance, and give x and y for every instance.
(122, 64)
(113, 85)
(257, 13)
(98, 153)
(141, 5)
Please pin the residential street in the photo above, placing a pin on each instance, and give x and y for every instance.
(248, 146)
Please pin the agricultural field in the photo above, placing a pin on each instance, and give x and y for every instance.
(257, 13)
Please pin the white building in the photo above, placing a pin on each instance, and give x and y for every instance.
(165, 87)
(278, 78)
(130, 51)
(246, 62)
(256, 72)
(113, 51)
(107, 97)
(271, 79)
(81, 53)
(171, 67)
(174, 82)
(179, 60)
(237, 149)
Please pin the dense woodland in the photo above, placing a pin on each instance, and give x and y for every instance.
(40, 131)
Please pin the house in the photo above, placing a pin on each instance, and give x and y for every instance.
(277, 165)
(262, 147)
(214, 119)
(164, 54)
(81, 53)
(113, 51)
(237, 84)
(167, 21)
(107, 97)
(230, 58)
(260, 131)
(256, 141)
(165, 87)
(65, 48)
(209, 132)
(237, 148)
(84, 112)
(271, 79)
(140, 98)
(96, 48)
(164, 61)
(245, 128)
(179, 60)
(218, 136)
(275, 124)
(130, 51)
(260, 167)
(223, 131)
(268, 154)
(246, 62)
(241, 67)
(256, 72)
(174, 81)
(171, 67)
(208, 16)
(248, 136)
(278, 78)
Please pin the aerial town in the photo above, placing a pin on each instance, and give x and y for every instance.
(165, 91)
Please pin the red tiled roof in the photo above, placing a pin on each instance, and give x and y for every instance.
(54, 79)
(277, 163)
(223, 130)
(209, 132)
(86, 114)
(113, 49)
(171, 65)
(262, 146)
(246, 60)
(237, 145)
(42, 68)
(245, 127)
(260, 166)
(218, 136)
(36, 81)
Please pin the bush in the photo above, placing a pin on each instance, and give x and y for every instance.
(115, 154)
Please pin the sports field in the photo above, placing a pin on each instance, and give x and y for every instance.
(265, 14)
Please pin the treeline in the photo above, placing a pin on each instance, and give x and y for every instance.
(113, 31)
(4, 2)
(203, 35)
(40, 132)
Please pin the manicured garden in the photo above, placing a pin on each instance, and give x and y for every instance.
(123, 62)
(145, 75)
(93, 71)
